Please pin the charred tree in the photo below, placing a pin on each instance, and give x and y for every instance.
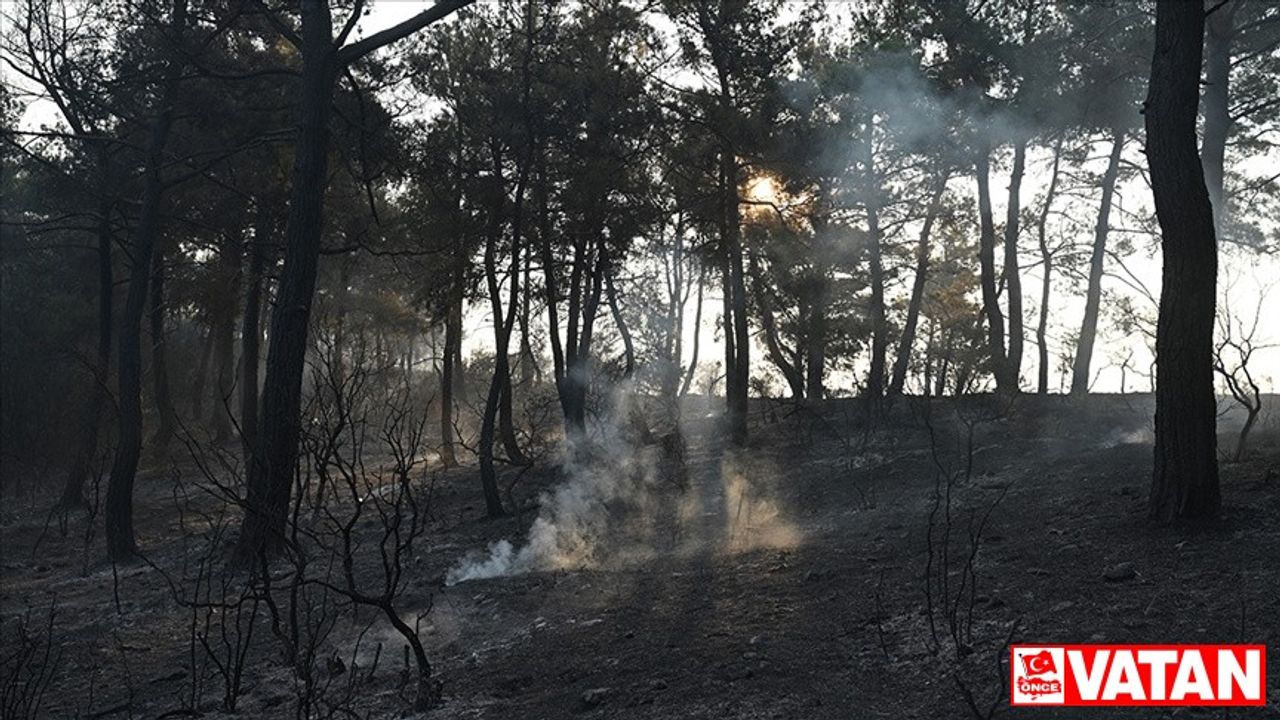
(908, 339)
(1185, 477)
(503, 324)
(450, 367)
(1093, 295)
(251, 333)
(118, 512)
(1012, 273)
(819, 300)
(270, 480)
(201, 376)
(788, 361)
(879, 323)
(271, 473)
(1220, 32)
(224, 337)
(987, 259)
(87, 447)
(615, 310)
(159, 360)
(739, 373)
(1046, 283)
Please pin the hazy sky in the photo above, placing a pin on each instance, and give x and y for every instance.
(1248, 274)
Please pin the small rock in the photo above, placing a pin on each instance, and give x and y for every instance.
(1119, 572)
(1060, 607)
(596, 696)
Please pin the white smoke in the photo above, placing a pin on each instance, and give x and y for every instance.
(624, 500)
(608, 482)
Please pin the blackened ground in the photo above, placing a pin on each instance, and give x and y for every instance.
(787, 581)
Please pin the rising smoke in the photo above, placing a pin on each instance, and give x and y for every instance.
(621, 501)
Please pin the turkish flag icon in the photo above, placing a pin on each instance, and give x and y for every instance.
(1039, 664)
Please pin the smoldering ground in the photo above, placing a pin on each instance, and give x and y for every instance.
(621, 500)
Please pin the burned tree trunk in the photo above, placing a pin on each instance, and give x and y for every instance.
(224, 338)
(1012, 273)
(82, 462)
(615, 310)
(450, 368)
(1217, 114)
(695, 344)
(738, 376)
(1046, 285)
(503, 325)
(159, 360)
(879, 324)
(118, 512)
(1093, 296)
(987, 260)
(788, 361)
(819, 300)
(1185, 478)
(251, 335)
(198, 389)
(271, 473)
(908, 339)
(506, 414)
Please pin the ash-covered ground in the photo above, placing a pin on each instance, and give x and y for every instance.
(825, 571)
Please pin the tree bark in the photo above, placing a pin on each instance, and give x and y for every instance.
(879, 323)
(198, 389)
(738, 380)
(1185, 476)
(697, 333)
(271, 474)
(987, 261)
(159, 361)
(224, 338)
(1080, 375)
(615, 310)
(502, 365)
(819, 300)
(121, 543)
(87, 449)
(1012, 273)
(251, 335)
(1217, 116)
(787, 361)
(908, 339)
(503, 325)
(448, 381)
(1046, 285)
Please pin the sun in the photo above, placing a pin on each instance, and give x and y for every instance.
(763, 189)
